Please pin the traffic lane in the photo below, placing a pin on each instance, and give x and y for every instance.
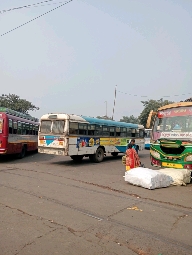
(53, 209)
(42, 223)
(29, 185)
(108, 174)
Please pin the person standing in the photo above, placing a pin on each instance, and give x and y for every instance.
(132, 158)
(134, 146)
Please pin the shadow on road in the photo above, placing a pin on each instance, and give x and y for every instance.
(144, 155)
(29, 158)
(86, 161)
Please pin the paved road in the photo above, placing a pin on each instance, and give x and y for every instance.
(50, 205)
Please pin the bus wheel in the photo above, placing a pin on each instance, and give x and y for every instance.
(22, 153)
(114, 154)
(77, 158)
(99, 155)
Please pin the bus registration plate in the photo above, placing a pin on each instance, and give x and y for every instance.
(165, 164)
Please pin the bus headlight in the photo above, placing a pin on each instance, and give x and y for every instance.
(188, 158)
(155, 154)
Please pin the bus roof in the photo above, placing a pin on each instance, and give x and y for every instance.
(21, 115)
(175, 105)
(91, 120)
(111, 123)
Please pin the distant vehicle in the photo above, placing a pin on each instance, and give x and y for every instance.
(80, 136)
(18, 132)
(171, 141)
(147, 138)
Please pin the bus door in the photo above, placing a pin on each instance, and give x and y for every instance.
(3, 133)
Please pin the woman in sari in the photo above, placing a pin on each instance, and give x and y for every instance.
(132, 158)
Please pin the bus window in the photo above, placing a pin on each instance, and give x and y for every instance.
(15, 127)
(118, 132)
(141, 133)
(91, 129)
(46, 126)
(19, 130)
(129, 132)
(105, 131)
(98, 130)
(27, 128)
(36, 129)
(58, 126)
(23, 129)
(83, 129)
(137, 133)
(112, 131)
(30, 129)
(73, 128)
(10, 126)
(33, 130)
(133, 132)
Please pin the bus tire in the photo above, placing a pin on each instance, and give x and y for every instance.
(22, 153)
(77, 158)
(114, 154)
(99, 155)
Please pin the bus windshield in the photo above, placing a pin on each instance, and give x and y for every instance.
(148, 133)
(173, 123)
(55, 126)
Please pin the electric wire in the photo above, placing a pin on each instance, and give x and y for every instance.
(40, 4)
(36, 18)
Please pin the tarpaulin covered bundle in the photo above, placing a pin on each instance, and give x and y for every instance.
(179, 176)
(147, 178)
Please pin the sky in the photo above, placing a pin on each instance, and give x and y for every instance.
(71, 59)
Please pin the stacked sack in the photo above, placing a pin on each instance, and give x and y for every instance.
(148, 178)
(180, 176)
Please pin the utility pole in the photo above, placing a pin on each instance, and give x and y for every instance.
(114, 101)
(106, 108)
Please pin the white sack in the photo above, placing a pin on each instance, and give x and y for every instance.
(147, 178)
(179, 176)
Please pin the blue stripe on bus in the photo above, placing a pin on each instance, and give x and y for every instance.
(147, 146)
(121, 148)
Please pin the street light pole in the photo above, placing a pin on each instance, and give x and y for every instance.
(106, 108)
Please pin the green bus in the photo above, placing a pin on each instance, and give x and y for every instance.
(171, 137)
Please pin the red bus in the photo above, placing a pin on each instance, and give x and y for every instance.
(18, 133)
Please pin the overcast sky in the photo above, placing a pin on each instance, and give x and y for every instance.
(71, 59)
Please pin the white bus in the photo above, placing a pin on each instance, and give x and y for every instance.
(147, 138)
(80, 136)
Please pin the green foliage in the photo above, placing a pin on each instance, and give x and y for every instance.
(15, 103)
(130, 119)
(151, 105)
(104, 117)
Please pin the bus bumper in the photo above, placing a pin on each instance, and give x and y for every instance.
(51, 151)
(3, 151)
(170, 164)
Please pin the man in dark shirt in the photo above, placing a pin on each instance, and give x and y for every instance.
(134, 146)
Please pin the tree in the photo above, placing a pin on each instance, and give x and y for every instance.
(15, 103)
(151, 105)
(187, 100)
(130, 119)
(104, 117)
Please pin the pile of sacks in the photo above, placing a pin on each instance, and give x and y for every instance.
(180, 176)
(153, 179)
